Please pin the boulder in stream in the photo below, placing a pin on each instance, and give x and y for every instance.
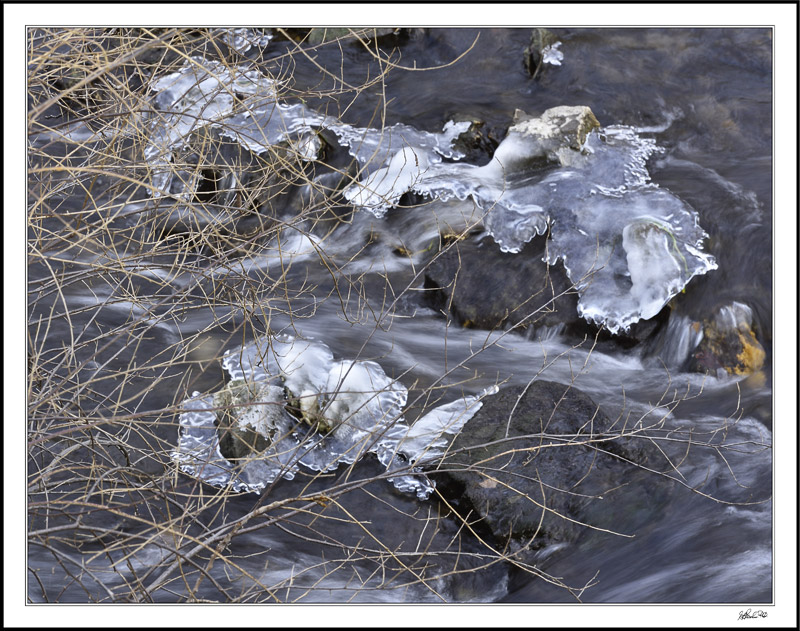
(724, 343)
(482, 287)
(533, 459)
(542, 49)
(729, 343)
(479, 286)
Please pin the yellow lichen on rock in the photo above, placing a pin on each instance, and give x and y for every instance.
(736, 350)
(752, 356)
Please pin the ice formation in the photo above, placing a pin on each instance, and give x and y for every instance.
(551, 54)
(291, 404)
(201, 93)
(394, 160)
(628, 245)
(205, 93)
(243, 39)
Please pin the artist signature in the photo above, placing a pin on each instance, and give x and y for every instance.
(746, 615)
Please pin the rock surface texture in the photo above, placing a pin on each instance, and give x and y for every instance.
(533, 460)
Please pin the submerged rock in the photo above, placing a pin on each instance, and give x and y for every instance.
(532, 459)
(542, 49)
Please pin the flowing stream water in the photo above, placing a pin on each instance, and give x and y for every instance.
(705, 97)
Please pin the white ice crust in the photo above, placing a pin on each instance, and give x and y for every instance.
(551, 55)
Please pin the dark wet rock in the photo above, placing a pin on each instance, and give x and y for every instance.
(482, 287)
(479, 286)
(535, 463)
(637, 333)
(533, 55)
(478, 143)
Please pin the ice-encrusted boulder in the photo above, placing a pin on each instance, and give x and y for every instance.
(555, 136)
(628, 245)
(290, 404)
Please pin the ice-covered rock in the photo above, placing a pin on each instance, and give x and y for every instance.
(238, 103)
(383, 188)
(395, 160)
(199, 94)
(289, 403)
(553, 136)
(242, 105)
(627, 245)
(243, 39)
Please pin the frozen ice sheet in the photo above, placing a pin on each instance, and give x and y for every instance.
(628, 245)
(243, 105)
(357, 404)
